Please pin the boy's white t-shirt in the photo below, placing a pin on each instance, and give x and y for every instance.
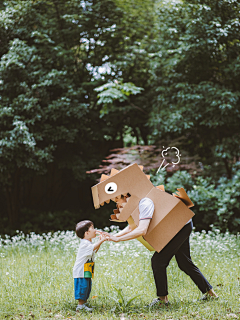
(85, 253)
(146, 209)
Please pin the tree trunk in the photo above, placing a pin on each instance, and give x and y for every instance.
(13, 204)
(228, 169)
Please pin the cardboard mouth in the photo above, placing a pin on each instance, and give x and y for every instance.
(121, 202)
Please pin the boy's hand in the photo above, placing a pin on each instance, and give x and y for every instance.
(102, 233)
(103, 237)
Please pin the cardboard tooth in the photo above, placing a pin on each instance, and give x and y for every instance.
(104, 177)
(115, 218)
(161, 187)
(113, 171)
(171, 212)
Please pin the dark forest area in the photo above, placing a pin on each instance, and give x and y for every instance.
(79, 79)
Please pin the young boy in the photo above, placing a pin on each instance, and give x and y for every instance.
(83, 269)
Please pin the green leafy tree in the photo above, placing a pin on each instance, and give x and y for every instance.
(43, 105)
(51, 54)
(196, 73)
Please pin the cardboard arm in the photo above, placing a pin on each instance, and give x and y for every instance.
(181, 194)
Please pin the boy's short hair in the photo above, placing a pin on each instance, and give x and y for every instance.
(82, 227)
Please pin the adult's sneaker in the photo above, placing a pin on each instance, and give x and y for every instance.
(158, 302)
(207, 297)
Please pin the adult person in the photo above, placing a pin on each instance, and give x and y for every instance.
(178, 246)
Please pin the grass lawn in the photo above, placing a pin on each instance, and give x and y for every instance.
(36, 279)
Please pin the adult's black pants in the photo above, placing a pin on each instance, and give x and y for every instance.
(180, 247)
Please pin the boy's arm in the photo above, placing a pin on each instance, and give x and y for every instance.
(98, 244)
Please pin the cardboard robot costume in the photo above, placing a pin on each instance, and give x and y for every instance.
(170, 214)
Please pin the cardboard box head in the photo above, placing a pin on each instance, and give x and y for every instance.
(170, 213)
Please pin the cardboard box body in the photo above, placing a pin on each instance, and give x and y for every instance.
(170, 213)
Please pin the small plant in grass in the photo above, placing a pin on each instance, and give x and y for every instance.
(123, 305)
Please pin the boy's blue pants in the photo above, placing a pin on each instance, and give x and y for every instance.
(82, 288)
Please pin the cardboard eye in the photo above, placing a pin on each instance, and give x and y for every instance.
(110, 188)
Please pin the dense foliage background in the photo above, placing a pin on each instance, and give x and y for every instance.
(79, 78)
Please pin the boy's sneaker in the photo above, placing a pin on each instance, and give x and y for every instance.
(158, 302)
(83, 307)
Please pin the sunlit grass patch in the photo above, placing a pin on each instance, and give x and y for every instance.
(36, 279)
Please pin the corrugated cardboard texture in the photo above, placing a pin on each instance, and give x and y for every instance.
(168, 227)
(128, 210)
(133, 181)
(165, 203)
(170, 213)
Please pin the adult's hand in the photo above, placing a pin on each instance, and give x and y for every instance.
(113, 238)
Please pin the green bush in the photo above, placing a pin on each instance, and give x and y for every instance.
(203, 195)
(216, 204)
(228, 211)
(179, 178)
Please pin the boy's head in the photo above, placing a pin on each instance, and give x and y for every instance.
(85, 229)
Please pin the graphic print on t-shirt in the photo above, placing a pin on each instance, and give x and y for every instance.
(89, 269)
